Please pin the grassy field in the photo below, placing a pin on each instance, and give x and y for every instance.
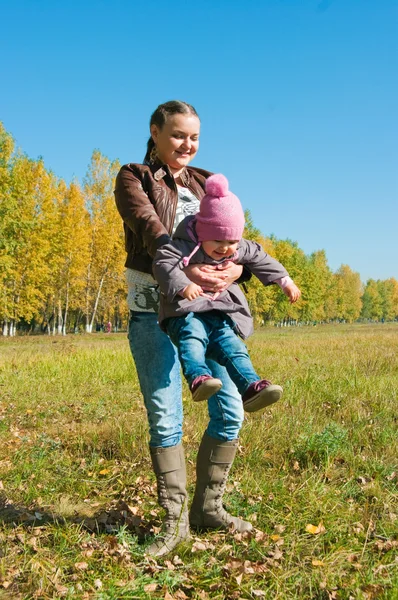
(317, 474)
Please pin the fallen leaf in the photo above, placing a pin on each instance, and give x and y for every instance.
(104, 472)
(198, 547)
(317, 563)
(61, 589)
(81, 566)
(150, 587)
(372, 591)
(258, 593)
(315, 529)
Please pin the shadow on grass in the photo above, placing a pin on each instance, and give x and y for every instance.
(108, 521)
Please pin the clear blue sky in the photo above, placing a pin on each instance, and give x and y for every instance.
(298, 101)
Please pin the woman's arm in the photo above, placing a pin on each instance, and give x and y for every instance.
(138, 212)
(214, 278)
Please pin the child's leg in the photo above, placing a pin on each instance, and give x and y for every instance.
(189, 333)
(228, 349)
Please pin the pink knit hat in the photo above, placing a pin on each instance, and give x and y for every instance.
(220, 215)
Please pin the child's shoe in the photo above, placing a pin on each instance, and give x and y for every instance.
(204, 386)
(261, 394)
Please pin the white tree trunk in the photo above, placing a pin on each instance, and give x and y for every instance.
(96, 303)
(60, 319)
(54, 320)
(88, 326)
(66, 310)
(5, 328)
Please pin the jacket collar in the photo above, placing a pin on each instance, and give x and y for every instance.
(160, 170)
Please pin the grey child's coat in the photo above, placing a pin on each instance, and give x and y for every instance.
(167, 269)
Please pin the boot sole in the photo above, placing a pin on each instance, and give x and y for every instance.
(206, 390)
(266, 397)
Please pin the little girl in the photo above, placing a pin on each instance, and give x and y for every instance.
(201, 324)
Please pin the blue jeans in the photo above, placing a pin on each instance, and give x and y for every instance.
(158, 370)
(199, 336)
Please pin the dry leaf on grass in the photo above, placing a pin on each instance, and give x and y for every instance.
(180, 595)
(201, 546)
(372, 591)
(317, 563)
(6, 584)
(315, 529)
(61, 589)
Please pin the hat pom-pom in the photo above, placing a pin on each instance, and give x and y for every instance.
(217, 185)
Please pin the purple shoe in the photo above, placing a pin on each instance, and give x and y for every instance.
(203, 387)
(261, 394)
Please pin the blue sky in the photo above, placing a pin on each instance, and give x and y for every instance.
(298, 101)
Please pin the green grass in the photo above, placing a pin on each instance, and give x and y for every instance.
(78, 496)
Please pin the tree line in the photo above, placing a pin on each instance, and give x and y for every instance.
(62, 258)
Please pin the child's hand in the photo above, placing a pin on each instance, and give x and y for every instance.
(192, 291)
(292, 292)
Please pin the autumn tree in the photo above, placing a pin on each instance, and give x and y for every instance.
(348, 294)
(73, 240)
(8, 222)
(106, 249)
(372, 307)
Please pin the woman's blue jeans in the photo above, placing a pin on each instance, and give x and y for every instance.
(159, 374)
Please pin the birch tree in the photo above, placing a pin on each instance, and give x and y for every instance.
(349, 293)
(106, 243)
(7, 224)
(73, 255)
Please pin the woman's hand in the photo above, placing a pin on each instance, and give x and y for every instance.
(214, 278)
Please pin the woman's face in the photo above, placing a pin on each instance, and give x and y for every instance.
(178, 140)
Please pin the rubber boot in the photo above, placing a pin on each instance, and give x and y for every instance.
(169, 467)
(213, 463)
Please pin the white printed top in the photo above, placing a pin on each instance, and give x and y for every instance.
(143, 290)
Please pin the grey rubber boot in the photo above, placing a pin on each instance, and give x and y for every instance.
(169, 467)
(214, 461)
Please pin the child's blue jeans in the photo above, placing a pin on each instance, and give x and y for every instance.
(158, 370)
(200, 336)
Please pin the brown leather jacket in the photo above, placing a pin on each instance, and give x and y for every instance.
(146, 198)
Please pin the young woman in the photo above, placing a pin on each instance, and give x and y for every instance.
(152, 199)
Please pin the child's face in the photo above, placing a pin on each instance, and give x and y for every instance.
(219, 249)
